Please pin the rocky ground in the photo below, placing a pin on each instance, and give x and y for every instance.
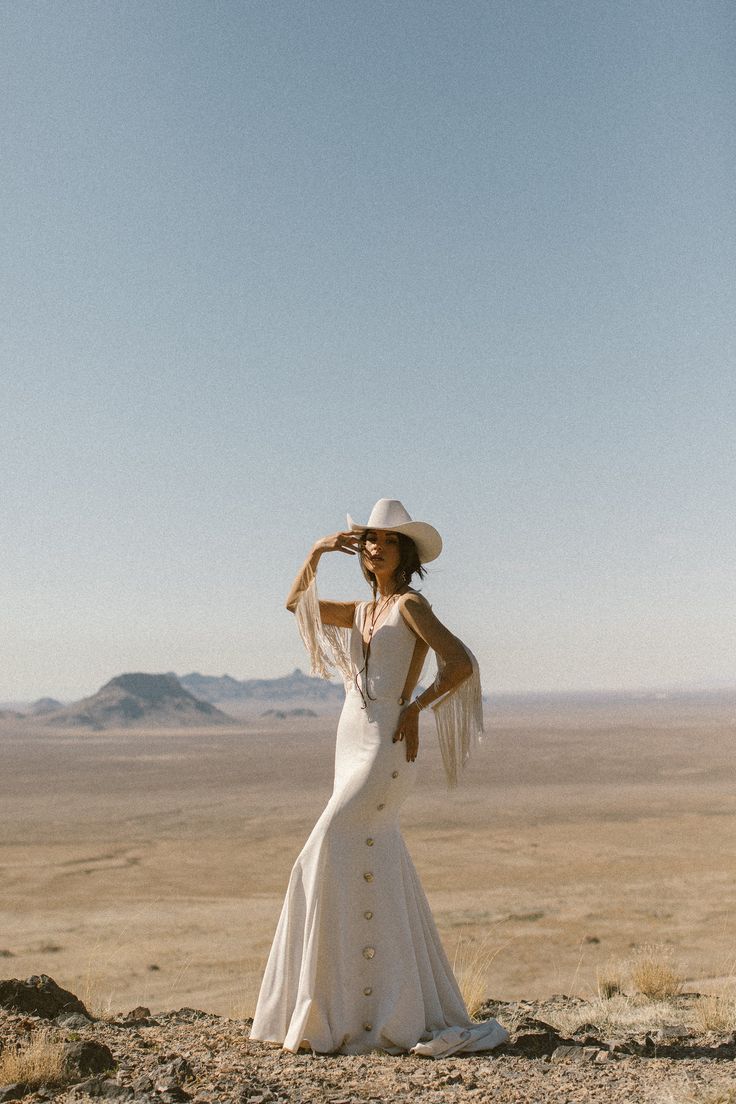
(189, 1055)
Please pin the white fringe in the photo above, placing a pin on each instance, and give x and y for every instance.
(328, 646)
(459, 720)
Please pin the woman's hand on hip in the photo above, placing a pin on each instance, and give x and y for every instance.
(407, 730)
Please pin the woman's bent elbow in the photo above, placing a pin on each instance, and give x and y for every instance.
(465, 669)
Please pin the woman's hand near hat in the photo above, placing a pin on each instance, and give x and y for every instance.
(346, 541)
(332, 613)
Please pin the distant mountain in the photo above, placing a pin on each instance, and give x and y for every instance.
(282, 714)
(289, 688)
(137, 699)
(11, 715)
(45, 705)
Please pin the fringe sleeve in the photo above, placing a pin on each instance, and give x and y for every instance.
(459, 720)
(328, 646)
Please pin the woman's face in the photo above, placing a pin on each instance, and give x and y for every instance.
(381, 553)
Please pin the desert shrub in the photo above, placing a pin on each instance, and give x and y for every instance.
(610, 979)
(655, 974)
(715, 1012)
(38, 1060)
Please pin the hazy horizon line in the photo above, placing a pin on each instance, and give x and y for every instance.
(719, 686)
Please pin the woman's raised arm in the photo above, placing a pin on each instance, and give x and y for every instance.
(331, 613)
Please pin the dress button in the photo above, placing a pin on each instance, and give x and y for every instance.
(367, 1026)
(369, 952)
(394, 774)
(381, 806)
(368, 915)
(369, 842)
(367, 991)
(368, 875)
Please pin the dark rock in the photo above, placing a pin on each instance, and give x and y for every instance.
(533, 1038)
(74, 1021)
(176, 1068)
(574, 1054)
(39, 994)
(615, 1046)
(13, 1092)
(256, 1093)
(672, 1031)
(183, 1015)
(143, 1084)
(589, 1041)
(586, 1029)
(86, 1057)
(137, 1017)
(104, 1088)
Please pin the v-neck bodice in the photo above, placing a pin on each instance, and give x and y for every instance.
(391, 651)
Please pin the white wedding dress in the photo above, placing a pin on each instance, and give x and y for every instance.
(356, 962)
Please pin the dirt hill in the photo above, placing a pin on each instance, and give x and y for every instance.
(138, 699)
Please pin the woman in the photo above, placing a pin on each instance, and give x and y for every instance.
(357, 963)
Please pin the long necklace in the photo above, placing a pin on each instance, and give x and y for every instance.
(366, 645)
(375, 614)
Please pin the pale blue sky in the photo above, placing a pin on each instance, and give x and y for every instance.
(267, 262)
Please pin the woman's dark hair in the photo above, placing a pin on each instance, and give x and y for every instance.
(409, 563)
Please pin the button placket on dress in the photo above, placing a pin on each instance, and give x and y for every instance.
(368, 951)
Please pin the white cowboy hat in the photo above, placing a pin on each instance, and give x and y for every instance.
(388, 513)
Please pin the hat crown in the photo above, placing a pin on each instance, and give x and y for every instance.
(387, 513)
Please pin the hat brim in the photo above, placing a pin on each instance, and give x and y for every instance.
(425, 536)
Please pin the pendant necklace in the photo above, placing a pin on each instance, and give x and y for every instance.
(366, 644)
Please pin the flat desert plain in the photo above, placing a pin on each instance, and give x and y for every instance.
(148, 867)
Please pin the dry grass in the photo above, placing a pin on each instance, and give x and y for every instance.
(471, 965)
(635, 1013)
(610, 979)
(37, 1061)
(655, 974)
(621, 1014)
(715, 1012)
(98, 1006)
